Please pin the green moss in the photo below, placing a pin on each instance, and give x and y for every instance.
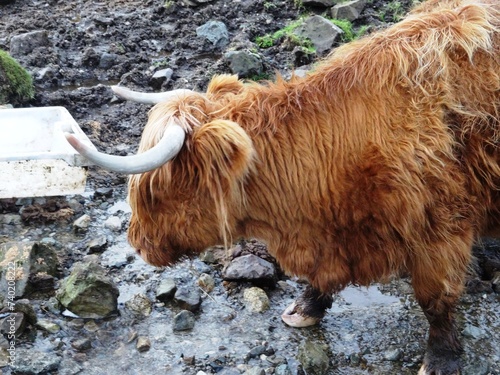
(16, 83)
(346, 27)
(287, 32)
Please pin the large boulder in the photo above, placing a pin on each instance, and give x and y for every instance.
(88, 292)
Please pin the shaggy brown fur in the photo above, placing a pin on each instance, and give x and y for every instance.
(383, 160)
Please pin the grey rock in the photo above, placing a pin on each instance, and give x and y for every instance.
(208, 257)
(188, 299)
(82, 223)
(350, 10)
(48, 326)
(160, 77)
(166, 290)
(183, 321)
(108, 60)
(255, 352)
(97, 245)
(82, 345)
(215, 31)
(113, 223)
(24, 44)
(194, 3)
(24, 306)
(88, 292)
(322, 33)
(34, 362)
(255, 371)
(282, 369)
(313, 357)
(13, 324)
(256, 299)
(25, 265)
(250, 267)
(320, 3)
(69, 367)
(140, 305)
(10, 219)
(477, 367)
(393, 355)
(244, 63)
(495, 282)
(206, 282)
(103, 192)
(143, 344)
(473, 332)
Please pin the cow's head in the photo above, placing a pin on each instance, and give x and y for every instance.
(186, 181)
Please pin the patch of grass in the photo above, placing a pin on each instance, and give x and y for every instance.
(18, 82)
(346, 27)
(260, 77)
(349, 33)
(393, 10)
(287, 32)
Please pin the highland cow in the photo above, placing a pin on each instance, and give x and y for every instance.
(384, 160)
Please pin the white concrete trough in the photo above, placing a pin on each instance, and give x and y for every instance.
(35, 158)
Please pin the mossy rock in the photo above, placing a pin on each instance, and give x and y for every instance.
(16, 84)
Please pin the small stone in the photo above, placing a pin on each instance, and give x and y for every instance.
(140, 304)
(24, 306)
(250, 267)
(208, 257)
(244, 63)
(206, 282)
(143, 344)
(184, 321)
(82, 345)
(255, 371)
(188, 299)
(97, 245)
(103, 192)
(350, 10)
(108, 60)
(91, 326)
(24, 44)
(166, 290)
(48, 326)
(393, 355)
(31, 361)
(215, 31)
(473, 332)
(313, 357)
(476, 368)
(161, 77)
(282, 369)
(495, 282)
(113, 223)
(256, 299)
(82, 223)
(256, 352)
(13, 324)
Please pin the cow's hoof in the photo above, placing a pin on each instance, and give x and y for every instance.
(425, 370)
(293, 317)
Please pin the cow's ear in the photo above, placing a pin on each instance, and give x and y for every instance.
(222, 153)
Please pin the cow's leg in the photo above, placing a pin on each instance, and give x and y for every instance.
(308, 309)
(438, 285)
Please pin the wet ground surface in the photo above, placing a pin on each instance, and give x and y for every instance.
(379, 330)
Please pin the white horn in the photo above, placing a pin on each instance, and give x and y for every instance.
(148, 97)
(166, 149)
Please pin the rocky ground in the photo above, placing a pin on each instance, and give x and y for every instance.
(202, 316)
